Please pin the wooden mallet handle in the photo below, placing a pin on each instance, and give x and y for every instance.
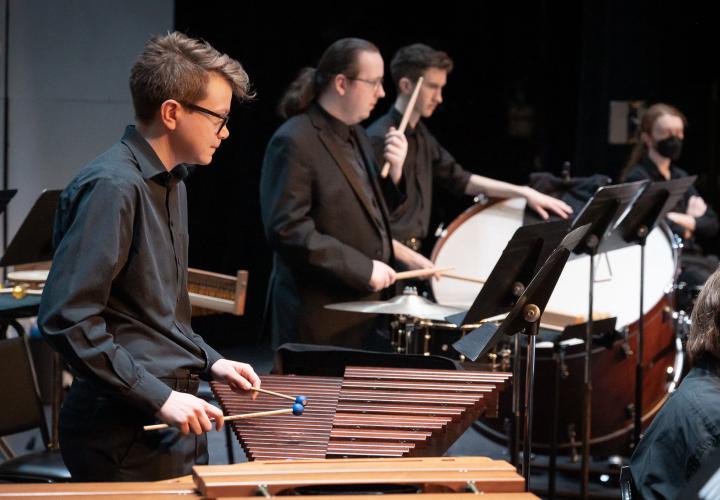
(230, 418)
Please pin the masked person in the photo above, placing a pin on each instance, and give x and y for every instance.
(659, 145)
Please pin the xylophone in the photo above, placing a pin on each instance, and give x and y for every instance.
(459, 478)
(370, 412)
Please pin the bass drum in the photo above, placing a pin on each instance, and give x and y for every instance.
(472, 245)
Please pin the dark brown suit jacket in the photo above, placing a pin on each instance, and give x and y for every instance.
(318, 221)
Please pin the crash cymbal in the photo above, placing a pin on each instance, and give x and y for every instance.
(31, 276)
(407, 304)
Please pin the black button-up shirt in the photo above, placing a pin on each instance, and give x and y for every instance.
(116, 304)
(705, 226)
(682, 436)
(426, 162)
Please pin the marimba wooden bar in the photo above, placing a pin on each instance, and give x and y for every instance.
(371, 412)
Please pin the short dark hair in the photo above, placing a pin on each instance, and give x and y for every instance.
(704, 336)
(341, 57)
(175, 66)
(411, 62)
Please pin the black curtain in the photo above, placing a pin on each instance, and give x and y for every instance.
(530, 90)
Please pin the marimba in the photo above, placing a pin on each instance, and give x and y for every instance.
(370, 412)
(452, 478)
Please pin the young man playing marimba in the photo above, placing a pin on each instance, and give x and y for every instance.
(116, 304)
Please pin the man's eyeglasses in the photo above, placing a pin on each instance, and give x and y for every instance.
(376, 83)
(225, 118)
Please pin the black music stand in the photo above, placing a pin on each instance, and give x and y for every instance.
(603, 211)
(526, 251)
(525, 316)
(5, 196)
(655, 201)
(33, 241)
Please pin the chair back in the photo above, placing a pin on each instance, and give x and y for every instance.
(20, 405)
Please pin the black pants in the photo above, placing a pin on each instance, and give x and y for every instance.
(102, 439)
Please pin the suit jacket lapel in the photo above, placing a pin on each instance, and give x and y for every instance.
(347, 169)
(369, 158)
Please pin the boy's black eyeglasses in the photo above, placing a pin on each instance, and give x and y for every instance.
(225, 118)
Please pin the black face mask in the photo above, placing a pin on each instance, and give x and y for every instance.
(670, 147)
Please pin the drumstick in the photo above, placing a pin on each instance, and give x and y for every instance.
(403, 123)
(296, 409)
(298, 399)
(418, 273)
(463, 278)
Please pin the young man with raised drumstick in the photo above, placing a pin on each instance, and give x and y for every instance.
(116, 304)
(427, 161)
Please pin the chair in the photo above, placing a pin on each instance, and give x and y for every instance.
(627, 487)
(21, 394)
(330, 361)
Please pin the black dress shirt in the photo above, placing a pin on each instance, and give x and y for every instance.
(682, 435)
(116, 304)
(426, 162)
(705, 226)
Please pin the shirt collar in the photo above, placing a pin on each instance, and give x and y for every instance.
(396, 117)
(654, 172)
(340, 128)
(148, 162)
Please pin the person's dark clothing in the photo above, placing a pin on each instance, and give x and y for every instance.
(705, 226)
(326, 221)
(115, 304)
(696, 265)
(684, 432)
(427, 163)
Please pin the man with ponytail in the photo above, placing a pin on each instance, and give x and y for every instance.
(322, 207)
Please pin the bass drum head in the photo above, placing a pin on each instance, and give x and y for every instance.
(472, 245)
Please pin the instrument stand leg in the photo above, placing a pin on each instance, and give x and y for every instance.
(531, 331)
(637, 434)
(587, 378)
(517, 416)
(56, 399)
(552, 461)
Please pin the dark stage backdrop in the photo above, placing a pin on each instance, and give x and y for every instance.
(530, 90)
